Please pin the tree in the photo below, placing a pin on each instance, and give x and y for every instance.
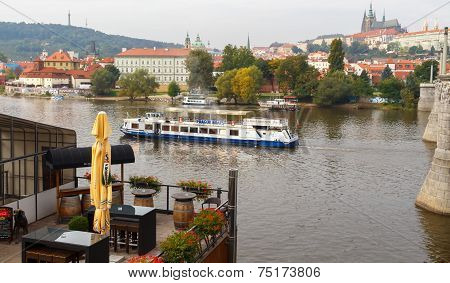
(387, 73)
(393, 47)
(408, 99)
(266, 70)
(102, 82)
(365, 76)
(3, 58)
(336, 57)
(361, 85)
(224, 85)
(114, 71)
(173, 89)
(413, 85)
(332, 89)
(200, 65)
(294, 71)
(236, 58)
(139, 83)
(390, 88)
(246, 83)
(10, 75)
(423, 71)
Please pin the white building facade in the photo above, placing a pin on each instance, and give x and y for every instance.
(166, 65)
(426, 39)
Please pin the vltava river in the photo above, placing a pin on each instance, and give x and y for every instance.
(346, 194)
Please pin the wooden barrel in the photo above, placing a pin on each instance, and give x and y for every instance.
(85, 202)
(183, 214)
(70, 206)
(117, 197)
(143, 201)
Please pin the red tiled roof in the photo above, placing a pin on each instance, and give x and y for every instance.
(155, 52)
(377, 32)
(107, 60)
(421, 32)
(61, 56)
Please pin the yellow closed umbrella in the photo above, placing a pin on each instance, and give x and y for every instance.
(101, 181)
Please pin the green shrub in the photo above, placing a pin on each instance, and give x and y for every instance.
(208, 222)
(79, 223)
(180, 247)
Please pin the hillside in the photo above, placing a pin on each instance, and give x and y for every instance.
(21, 41)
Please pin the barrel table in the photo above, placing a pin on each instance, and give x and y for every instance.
(183, 210)
(143, 197)
(70, 206)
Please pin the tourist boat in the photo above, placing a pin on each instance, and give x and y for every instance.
(286, 103)
(202, 127)
(57, 97)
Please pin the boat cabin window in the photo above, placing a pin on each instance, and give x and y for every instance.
(193, 130)
(149, 127)
(175, 129)
(184, 129)
(261, 127)
(134, 125)
(213, 131)
(166, 128)
(203, 130)
(234, 132)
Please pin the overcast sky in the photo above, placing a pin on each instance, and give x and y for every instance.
(223, 21)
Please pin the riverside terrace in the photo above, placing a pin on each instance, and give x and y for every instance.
(44, 185)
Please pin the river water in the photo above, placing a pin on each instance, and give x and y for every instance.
(346, 194)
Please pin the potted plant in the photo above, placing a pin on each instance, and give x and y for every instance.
(113, 178)
(145, 182)
(146, 259)
(79, 223)
(180, 247)
(208, 222)
(200, 188)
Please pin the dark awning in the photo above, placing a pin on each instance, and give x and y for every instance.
(66, 158)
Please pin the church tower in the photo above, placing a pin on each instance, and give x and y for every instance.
(187, 42)
(368, 20)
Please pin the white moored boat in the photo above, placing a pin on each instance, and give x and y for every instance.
(279, 104)
(245, 131)
(195, 100)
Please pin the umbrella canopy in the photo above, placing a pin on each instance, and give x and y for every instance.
(101, 180)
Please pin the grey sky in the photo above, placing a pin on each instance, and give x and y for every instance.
(223, 21)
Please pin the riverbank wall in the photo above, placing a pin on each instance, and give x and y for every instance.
(434, 194)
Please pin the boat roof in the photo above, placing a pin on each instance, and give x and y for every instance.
(208, 111)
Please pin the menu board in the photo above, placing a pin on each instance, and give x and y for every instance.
(6, 223)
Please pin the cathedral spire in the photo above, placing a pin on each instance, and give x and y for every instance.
(68, 23)
(248, 41)
(384, 15)
(370, 11)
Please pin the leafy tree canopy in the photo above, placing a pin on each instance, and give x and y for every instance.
(387, 73)
(336, 57)
(200, 66)
(390, 88)
(102, 82)
(236, 58)
(423, 71)
(137, 84)
(247, 83)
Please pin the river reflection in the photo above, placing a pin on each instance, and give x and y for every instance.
(346, 194)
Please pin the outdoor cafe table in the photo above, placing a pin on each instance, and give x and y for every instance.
(95, 246)
(145, 216)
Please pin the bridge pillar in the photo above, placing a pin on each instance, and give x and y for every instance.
(430, 134)
(426, 100)
(435, 192)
